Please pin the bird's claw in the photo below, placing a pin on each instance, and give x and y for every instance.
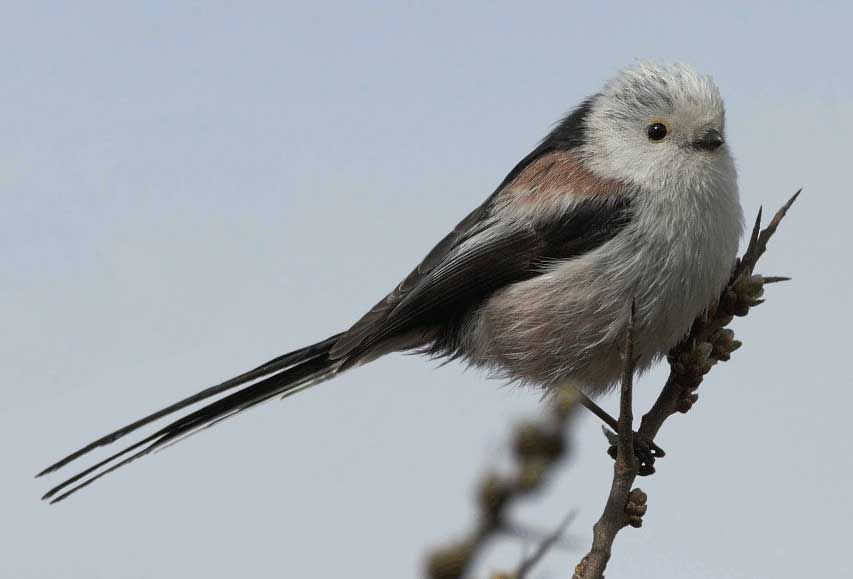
(645, 451)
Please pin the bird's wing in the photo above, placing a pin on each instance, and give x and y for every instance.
(552, 210)
(350, 340)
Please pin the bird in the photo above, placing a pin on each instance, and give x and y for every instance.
(630, 202)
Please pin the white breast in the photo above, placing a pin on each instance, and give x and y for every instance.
(568, 324)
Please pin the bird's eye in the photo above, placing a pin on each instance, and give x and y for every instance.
(656, 131)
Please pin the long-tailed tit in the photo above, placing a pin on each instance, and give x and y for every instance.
(632, 197)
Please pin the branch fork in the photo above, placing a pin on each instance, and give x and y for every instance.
(708, 343)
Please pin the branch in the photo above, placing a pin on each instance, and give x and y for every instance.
(546, 545)
(624, 506)
(708, 343)
(538, 448)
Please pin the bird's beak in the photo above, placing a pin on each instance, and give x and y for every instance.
(709, 140)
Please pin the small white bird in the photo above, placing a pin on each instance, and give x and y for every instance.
(633, 196)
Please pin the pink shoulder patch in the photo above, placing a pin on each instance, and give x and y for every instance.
(558, 175)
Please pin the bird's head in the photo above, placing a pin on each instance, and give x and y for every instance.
(661, 127)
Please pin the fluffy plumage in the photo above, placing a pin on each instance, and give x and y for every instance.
(534, 284)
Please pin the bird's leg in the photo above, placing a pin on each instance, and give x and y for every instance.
(645, 450)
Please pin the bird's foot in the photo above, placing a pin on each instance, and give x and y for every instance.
(645, 451)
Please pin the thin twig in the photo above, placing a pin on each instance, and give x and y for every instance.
(619, 511)
(532, 535)
(527, 565)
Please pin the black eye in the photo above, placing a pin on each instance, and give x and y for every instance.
(656, 131)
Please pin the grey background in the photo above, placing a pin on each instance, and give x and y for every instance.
(191, 188)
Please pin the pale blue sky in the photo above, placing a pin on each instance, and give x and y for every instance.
(190, 188)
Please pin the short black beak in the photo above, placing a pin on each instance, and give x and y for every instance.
(710, 140)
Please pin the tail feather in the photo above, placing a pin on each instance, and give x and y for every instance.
(284, 375)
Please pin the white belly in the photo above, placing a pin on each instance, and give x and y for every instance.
(569, 323)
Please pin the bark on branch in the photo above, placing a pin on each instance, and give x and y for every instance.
(624, 506)
(708, 343)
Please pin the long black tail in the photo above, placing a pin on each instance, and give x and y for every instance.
(282, 376)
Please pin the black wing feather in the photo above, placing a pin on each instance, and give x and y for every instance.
(362, 329)
(570, 133)
(467, 276)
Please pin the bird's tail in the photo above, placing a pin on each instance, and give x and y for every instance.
(281, 376)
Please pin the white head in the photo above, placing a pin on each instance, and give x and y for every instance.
(661, 127)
